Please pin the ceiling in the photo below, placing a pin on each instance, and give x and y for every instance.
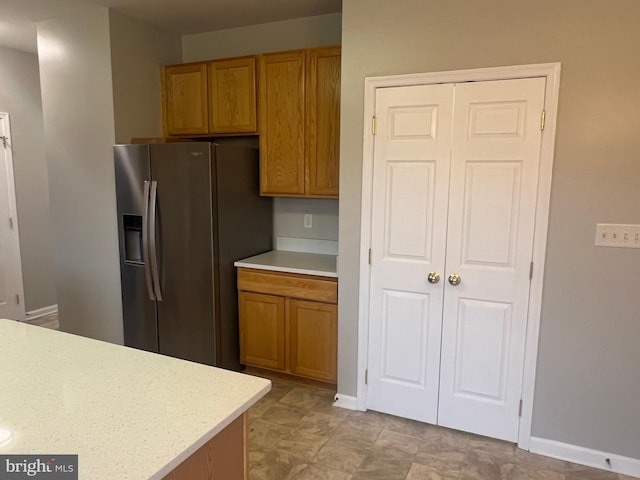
(18, 17)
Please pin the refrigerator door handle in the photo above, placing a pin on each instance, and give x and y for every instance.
(145, 243)
(152, 240)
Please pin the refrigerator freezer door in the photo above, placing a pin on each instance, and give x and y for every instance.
(184, 250)
(138, 311)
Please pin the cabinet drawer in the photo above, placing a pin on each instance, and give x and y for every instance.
(305, 287)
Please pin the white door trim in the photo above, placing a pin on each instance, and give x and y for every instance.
(13, 211)
(550, 71)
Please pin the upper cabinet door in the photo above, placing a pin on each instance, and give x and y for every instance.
(232, 96)
(323, 121)
(186, 101)
(282, 124)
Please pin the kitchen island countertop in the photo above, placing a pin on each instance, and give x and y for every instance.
(128, 414)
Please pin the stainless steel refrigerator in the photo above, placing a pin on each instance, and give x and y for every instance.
(186, 212)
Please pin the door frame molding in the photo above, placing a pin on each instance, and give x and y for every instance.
(13, 211)
(549, 71)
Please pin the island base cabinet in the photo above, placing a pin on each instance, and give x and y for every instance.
(224, 457)
(313, 339)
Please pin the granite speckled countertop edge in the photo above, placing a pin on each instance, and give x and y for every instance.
(127, 413)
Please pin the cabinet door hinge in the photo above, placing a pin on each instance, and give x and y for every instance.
(373, 125)
(369, 256)
(11, 223)
(542, 118)
(4, 141)
(18, 299)
(530, 270)
(520, 409)
(366, 377)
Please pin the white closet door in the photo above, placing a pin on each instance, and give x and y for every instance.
(411, 177)
(492, 204)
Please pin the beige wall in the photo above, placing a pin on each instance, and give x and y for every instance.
(306, 32)
(288, 219)
(587, 385)
(20, 98)
(77, 100)
(137, 52)
(269, 37)
(100, 84)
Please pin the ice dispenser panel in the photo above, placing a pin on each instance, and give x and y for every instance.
(133, 238)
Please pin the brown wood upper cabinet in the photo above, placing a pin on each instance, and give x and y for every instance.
(211, 98)
(186, 99)
(299, 127)
(232, 96)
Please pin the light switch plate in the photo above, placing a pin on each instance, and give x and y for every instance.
(617, 235)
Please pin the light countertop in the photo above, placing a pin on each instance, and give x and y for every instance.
(293, 262)
(128, 414)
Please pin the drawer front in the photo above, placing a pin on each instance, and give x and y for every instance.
(292, 285)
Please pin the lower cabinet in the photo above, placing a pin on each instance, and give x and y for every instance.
(262, 330)
(313, 346)
(289, 323)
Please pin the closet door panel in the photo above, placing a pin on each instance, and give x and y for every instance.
(492, 200)
(411, 175)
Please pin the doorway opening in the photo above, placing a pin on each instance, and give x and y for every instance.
(11, 285)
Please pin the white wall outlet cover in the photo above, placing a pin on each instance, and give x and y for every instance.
(308, 220)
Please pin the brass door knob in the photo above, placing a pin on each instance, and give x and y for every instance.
(455, 279)
(434, 277)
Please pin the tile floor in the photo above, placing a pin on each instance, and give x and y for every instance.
(295, 433)
(46, 321)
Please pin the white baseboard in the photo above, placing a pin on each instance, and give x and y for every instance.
(41, 312)
(586, 456)
(345, 401)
